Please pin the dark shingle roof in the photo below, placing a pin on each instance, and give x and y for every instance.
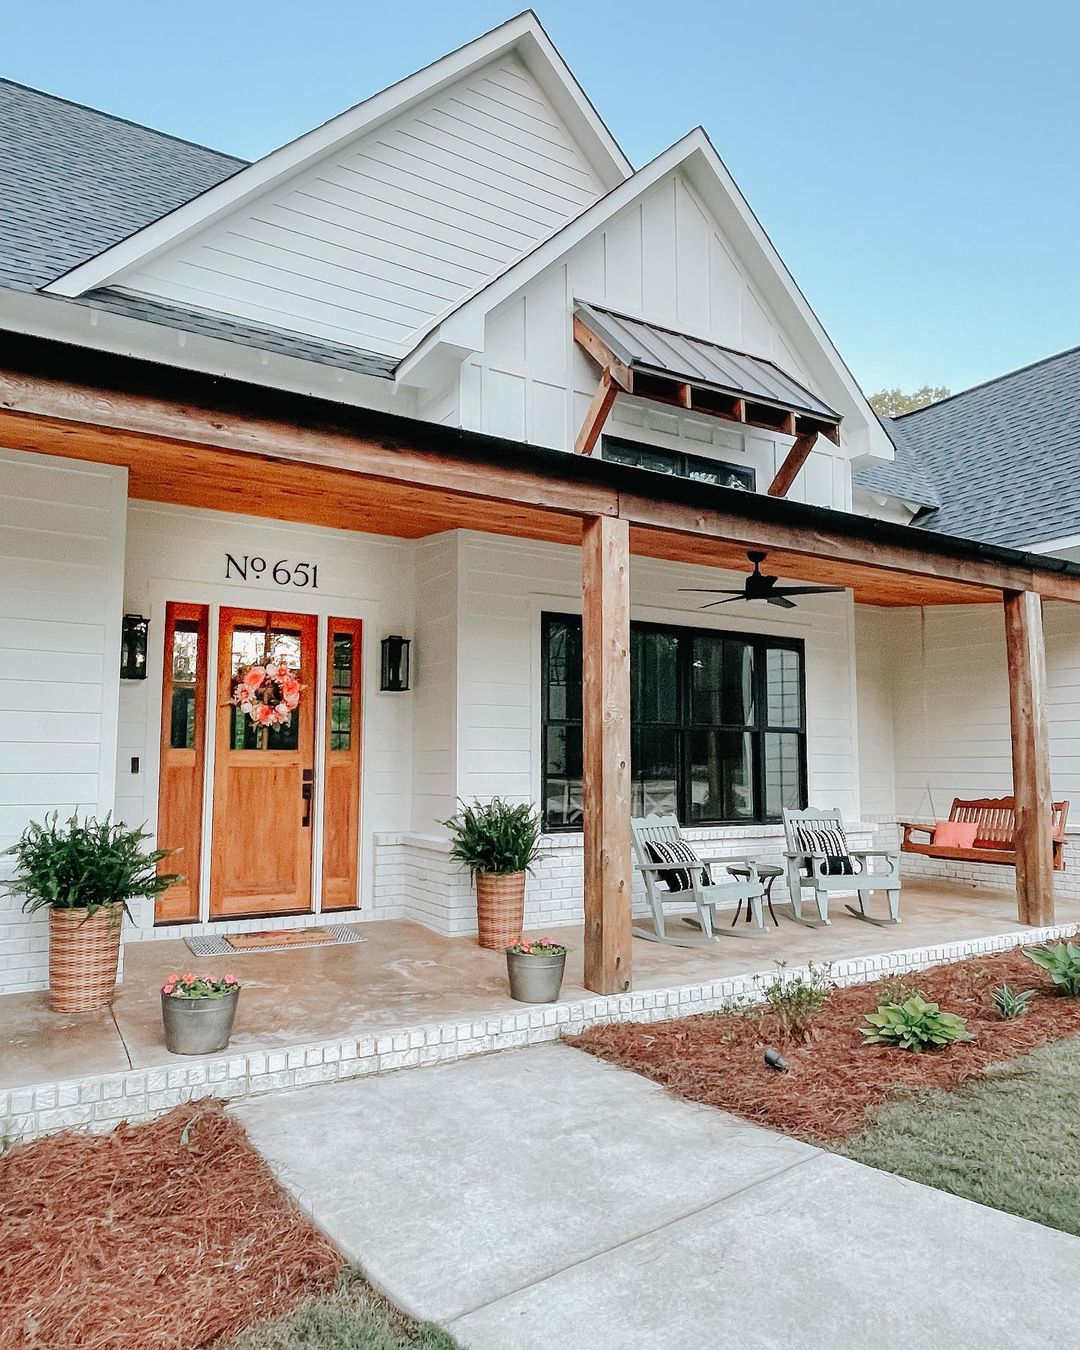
(1003, 457)
(904, 477)
(74, 180)
(263, 337)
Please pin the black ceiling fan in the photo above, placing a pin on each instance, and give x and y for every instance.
(760, 587)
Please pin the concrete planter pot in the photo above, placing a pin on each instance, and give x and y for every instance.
(535, 979)
(198, 1026)
(83, 957)
(500, 909)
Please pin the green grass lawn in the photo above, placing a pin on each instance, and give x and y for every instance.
(1009, 1139)
(352, 1317)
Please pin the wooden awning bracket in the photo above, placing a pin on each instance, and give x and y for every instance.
(794, 460)
(597, 414)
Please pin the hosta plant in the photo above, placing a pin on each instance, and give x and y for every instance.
(914, 1025)
(1011, 1002)
(85, 865)
(494, 837)
(1061, 961)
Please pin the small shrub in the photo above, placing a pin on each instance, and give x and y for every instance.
(494, 836)
(895, 989)
(1061, 961)
(90, 864)
(795, 998)
(914, 1025)
(1010, 1002)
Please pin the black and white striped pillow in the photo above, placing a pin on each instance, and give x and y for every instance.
(677, 851)
(832, 842)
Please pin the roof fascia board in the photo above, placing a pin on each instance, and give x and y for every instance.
(522, 33)
(74, 323)
(1055, 545)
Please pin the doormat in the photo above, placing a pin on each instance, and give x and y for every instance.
(275, 940)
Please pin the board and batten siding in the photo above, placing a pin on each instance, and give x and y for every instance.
(372, 245)
(665, 260)
(62, 526)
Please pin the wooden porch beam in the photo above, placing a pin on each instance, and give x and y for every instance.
(81, 422)
(605, 582)
(794, 460)
(1030, 757)
(597, 414)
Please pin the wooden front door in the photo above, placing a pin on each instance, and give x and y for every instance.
(264, 776)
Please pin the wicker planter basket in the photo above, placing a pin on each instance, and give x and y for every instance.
(500, 908)
(83, 956)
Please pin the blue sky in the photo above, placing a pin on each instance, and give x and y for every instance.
(915, 164)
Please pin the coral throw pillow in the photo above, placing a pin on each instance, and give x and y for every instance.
(956, 833)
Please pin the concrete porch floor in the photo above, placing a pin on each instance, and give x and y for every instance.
(404, 976)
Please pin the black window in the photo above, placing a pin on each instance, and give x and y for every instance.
(697, 467)
(718, 724)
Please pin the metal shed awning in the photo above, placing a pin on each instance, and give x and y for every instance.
(651, 361)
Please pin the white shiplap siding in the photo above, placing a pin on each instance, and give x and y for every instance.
(505, 586)
(62, 554)
(374, 245)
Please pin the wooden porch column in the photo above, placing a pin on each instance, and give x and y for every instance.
(605, 579)
(1030, 757)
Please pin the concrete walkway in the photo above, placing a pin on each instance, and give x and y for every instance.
(543, 1200)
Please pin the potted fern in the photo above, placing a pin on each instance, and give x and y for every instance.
(84, 873)
(498, 843)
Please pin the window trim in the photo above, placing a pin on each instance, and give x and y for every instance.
(760, 643)
(682, 461)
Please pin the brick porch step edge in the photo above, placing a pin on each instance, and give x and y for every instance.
(98, 1102)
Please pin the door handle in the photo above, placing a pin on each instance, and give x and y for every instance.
(307, 791)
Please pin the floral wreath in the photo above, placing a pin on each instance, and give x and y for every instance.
(267, 693)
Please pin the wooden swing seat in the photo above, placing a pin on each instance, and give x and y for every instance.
(996, 821)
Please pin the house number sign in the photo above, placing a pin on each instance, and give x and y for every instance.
(282, 572)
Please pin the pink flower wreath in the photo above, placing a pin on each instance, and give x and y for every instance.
(267, 693)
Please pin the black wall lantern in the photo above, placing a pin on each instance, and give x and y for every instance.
(395, 664)
(133, 647)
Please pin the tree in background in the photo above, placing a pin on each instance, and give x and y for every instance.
(894, 402)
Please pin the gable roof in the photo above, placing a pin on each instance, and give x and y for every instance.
(74, 181)
(523, 34)
(1003, 457)
(695, 155)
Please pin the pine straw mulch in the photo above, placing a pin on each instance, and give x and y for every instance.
(835, 1080)
(168, 1234)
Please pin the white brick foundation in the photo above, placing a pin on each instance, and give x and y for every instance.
(416, 879)
(98, 1101)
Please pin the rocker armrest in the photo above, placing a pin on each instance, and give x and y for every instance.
(802, 853)
(873, 852)
(671, 866)
(728, 860)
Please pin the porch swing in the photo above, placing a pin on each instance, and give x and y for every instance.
(978, 829)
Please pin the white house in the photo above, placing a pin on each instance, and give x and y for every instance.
(369, 387)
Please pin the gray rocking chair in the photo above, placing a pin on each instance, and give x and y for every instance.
(808, 869)
(708, 897)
